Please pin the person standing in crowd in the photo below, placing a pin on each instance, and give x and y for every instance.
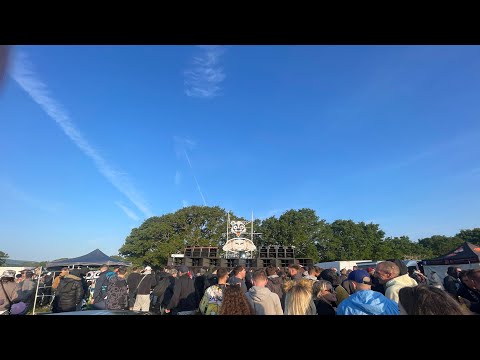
(235, 302)
(145, 285)
(213, 297)
(263, 301)
(451, 282)
(238, 277)
(428, 300)
(184, 300)
(275, 283)
(324, 297)
(133, 280)
(8, 291)
(365, 301)
(100, 291)
(295, 272)
(388, 273)
(26, 291)
(69, 293)
(117, 291)
(299, 298)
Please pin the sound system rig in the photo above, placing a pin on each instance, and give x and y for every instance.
(196, 257)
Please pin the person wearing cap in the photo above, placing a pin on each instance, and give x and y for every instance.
(388, 273)
(8, 291)
(365, 301)
(185, 299)
(146, 284)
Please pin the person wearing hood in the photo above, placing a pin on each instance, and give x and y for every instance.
(263, 301)
(388, 273)
(69, 293)
(365, 301)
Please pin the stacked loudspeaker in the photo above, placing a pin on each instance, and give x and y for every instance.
(277, 255)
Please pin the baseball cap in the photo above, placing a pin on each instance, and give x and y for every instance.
(360, 276)
(147, 268)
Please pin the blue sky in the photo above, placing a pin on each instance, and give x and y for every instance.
(95, 139)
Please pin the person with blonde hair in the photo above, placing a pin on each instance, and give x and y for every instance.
(324, 297)
(298, 298)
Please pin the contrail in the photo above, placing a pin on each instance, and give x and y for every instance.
(127, 211)
(24, 75)
(198, 186)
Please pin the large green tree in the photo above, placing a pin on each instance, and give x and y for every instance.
(3, 257)
(347, 240)
(159, 237)
(300, 228)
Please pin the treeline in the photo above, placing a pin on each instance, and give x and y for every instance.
(160, 236)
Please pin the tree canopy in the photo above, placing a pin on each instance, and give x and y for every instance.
(3, 257)
(160, 236)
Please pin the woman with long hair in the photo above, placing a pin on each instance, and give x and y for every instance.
(428, 300)
(235, 302)
(299, 298)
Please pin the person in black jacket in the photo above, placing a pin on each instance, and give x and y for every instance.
(68, 295)
(184, 299)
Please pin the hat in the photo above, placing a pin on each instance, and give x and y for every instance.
(183, 269)
(8, 274)
(359, 277)
(370, 269)
(148, 268)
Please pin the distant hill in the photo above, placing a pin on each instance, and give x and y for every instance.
(11, 262)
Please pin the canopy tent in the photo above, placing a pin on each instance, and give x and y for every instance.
(95, 258)
(466, 256)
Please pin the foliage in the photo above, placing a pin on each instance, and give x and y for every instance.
(439, 244)
(472, 236)
(159, 237)
(3, 257)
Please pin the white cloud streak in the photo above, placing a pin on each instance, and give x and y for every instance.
(127, 211)
(195, 178)
(204, 77)
(22, 72)
(181, 146)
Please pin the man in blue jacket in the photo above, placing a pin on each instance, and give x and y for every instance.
(365, 301)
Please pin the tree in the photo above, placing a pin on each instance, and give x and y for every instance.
(439, 244)
(472, 236)
(3, 257)
(299, 228)
(159, 237)
(402, 248)
(348, 240)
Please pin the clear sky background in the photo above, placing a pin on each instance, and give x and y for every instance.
(95, 139)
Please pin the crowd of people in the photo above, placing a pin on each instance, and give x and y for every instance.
(389, 289)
